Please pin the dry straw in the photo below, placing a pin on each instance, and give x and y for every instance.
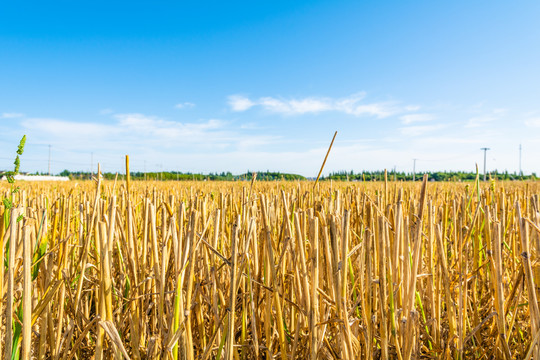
(242, 270)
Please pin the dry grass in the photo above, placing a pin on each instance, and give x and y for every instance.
(271, 270)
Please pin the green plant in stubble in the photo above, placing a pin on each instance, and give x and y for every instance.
(17, 326)
(10, 176)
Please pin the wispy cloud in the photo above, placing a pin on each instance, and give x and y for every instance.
(414, 118)
(134, 126)
(418, 130)
(11, 115)
(106, 111)
(533, 122)
(68, 129)
(352, 105)
(240, 103)
(485, 118)
(294, 106)
(250, 126)
(478, 121)
(240, 144)
(140, 133)
(184, 105)
(412, 108)
(165, 129)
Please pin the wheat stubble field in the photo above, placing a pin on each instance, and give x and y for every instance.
(239, 270)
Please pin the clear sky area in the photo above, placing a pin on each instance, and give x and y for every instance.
(206, 86)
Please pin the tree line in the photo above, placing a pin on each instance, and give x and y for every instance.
(181, 176)
(277, 176)
(432, 175)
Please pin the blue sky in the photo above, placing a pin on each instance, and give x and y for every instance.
(230, 86)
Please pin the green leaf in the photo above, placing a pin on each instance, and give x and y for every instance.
(17, 333)
(19, 218)
(38, 255)
(17, 163)
(20, 149)
(7, 203)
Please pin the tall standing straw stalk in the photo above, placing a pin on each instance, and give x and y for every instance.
(232, 293)
(27, 293)
(324, 161)
(314, 311)
(272, 281)
(499, 291)
(409, 311)
(531, 288)
(383, 303)
(344, 291)
(189, 280)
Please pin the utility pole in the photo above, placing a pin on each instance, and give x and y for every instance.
(414, 170)
(49, 160)
(520, 172)
(144, 170)
(91, 165)
(485, 152)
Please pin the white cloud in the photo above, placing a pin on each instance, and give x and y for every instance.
(351, 105)
(478, 121)
(413, 118)
(250, 126)
(418, 130)
(140, 134)
(307, 105)
(380, 110)
(437, 141)
(164, 129)
(67, 129)
(240, 103)
(11, 115)
(533, 122)
(216, 145)
(245, 143)
(184, 105)
(485, 117)
(412, 107)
